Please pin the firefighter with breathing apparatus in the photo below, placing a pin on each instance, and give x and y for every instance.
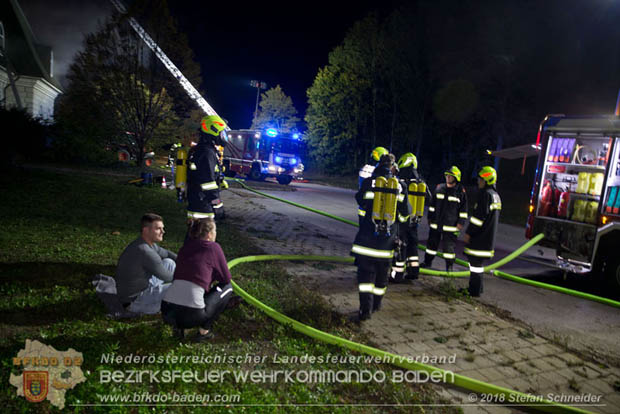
(480, 236)
(406, 254)
(365, 172)
(204, 171)
(383, 198)
(447, 215)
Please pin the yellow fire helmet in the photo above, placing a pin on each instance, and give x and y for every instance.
(488, 174)
(377, 153)
(455, 172)
(212, 124)
(408, 160)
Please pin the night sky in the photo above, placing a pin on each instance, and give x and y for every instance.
(235, 43)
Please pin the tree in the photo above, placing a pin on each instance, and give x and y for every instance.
(276, 111)
(119, 90)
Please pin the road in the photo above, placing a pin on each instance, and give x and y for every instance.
(580, 324)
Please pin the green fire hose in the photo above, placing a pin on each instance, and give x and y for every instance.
(462, 273)
(402, 362)
(397, 360)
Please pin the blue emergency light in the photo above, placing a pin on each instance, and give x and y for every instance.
(272, 132)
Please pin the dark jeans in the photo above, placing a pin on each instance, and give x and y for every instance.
(185, 317)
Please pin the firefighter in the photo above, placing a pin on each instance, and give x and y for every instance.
(480, 236)
(365, 172)
(406, 254)
(447, 215)
(384, 198)
(203, 192)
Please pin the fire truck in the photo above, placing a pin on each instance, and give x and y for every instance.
(259, 155)
(575, 199)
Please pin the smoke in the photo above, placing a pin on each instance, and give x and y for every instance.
(62, 25)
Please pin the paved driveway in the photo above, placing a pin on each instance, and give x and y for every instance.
(515, 336)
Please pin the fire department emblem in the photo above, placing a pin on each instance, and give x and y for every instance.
(36, 385)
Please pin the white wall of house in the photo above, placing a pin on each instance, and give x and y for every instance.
(36, 94)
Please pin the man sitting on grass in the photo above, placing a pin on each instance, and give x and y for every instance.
(144, 267)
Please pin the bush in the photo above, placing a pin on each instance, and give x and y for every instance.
(28, 137)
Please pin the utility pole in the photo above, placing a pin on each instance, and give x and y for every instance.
(258, 85)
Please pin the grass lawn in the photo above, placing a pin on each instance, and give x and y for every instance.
(59, 229)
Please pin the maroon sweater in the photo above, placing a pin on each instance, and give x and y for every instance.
(202, 262)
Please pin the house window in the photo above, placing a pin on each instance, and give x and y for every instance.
(1, 35)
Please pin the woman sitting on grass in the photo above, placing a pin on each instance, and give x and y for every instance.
(201, 287)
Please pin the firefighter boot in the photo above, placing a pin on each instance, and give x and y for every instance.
(366, 305)
(376, 304)
(475, 284)
(413, 273)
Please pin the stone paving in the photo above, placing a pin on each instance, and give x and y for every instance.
(425, 319)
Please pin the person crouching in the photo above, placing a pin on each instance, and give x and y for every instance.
(201, 286)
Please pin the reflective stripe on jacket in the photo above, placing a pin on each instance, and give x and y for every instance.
(483, 223)
(448, 208)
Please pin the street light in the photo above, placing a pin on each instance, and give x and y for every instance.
(258, 85)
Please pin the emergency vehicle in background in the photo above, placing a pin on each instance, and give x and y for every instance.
(258, 155)
(575, 198)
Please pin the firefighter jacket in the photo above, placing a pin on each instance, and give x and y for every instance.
(365, 172)
(202, 179)
(371, 241)
(448, 208)
(483, 223)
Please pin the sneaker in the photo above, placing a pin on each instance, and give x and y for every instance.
(202, 338)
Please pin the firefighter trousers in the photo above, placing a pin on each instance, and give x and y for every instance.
(448, 240)
(406, 255)
(372, 279)
(476, 270)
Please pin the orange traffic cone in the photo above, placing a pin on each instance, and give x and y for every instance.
(163, 182)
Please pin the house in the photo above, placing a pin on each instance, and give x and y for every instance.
(26, 67)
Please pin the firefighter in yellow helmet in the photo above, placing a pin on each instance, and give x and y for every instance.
(203, 194)
(366, 171)
(480, 236)
(406, 261)
(384, 199)
(447, 215)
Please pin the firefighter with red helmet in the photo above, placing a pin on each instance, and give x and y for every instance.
(480, 236)
(406, 261)
(384, 199)
(447, 215)
(204, 171)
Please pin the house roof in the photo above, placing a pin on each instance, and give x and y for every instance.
(27, 56)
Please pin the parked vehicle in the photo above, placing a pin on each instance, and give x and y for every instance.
(575, 198)
(259, 155)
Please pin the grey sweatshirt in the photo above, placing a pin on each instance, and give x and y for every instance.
(137, 264)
